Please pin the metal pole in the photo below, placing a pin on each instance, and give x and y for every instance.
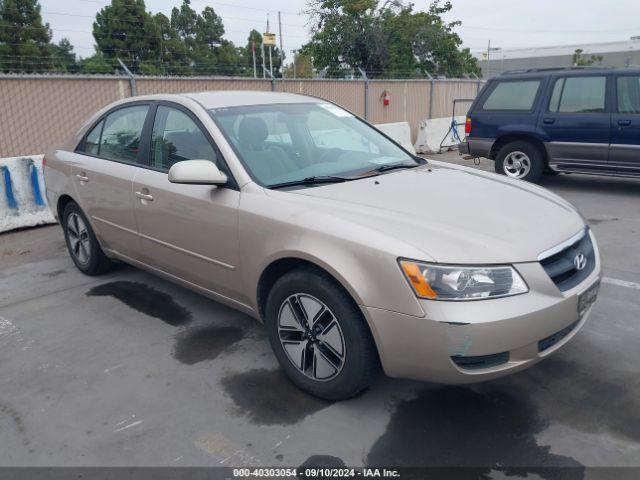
(270, 62)
(295, 59)
(264, 68)
(431, 92)
(366, 92)
(273, 80)
(281, 47)
(488, 58)
(253, 51)
(132, 79)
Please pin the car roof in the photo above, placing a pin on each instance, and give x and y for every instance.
(232, 98)
(568, 71)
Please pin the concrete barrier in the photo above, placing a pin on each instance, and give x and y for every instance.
(431, 133)
(398, 131)
(23, 202)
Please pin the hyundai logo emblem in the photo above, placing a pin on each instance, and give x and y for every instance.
(580, 261)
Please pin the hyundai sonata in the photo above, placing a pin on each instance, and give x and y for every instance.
(355, 254)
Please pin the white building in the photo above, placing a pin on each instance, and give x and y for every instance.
(614, 54)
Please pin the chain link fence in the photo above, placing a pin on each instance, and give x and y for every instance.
(39, 111)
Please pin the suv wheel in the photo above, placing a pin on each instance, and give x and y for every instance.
(521, 160)
(319, 335)
(81, 242)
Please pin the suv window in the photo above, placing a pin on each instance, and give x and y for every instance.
(579, 95)
(175, 138)
(628, 94)
(121, 133)
(513, 95)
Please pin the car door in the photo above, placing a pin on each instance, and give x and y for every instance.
(576, 123)
(625, 124)
(103, 168)
(187, 231)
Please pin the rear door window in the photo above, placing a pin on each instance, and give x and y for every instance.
(122, 133)
(628, 94)
(579, 95)
(511, 95)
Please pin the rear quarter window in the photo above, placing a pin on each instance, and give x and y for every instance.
(511, 95)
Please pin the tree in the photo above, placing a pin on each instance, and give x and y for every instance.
(301, 67)
(388, 40)
(255, 41)
(173, 56)
(582, 61)
(24, 39)
(63, 58)
(97, 63)
(125, 30)
(202, 35)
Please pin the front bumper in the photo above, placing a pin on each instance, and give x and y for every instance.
(526, 327)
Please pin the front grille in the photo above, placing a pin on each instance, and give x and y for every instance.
(483, 361)
(561, 266)
(551, 340)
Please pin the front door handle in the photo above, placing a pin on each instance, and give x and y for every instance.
(82, 177)
(549, 121)
(624, 123)
(144, 196)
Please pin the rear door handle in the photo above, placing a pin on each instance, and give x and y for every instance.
(549, 121)
(624, 123)
(144, 196)
(82, 177)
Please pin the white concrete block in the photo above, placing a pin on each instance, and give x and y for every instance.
(23, 201)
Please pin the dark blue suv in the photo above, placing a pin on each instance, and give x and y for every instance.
(583, 120)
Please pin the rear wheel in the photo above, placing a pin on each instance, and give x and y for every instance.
(82, 244)
(319, 335)
(521, 160)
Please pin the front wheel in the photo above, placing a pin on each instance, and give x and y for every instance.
(319, 335)
(521, 160)
(81, 242)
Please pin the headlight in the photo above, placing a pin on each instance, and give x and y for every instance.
(450, 282)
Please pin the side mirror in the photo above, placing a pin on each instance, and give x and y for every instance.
(196, 172)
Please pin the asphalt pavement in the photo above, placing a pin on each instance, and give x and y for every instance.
(130, 370)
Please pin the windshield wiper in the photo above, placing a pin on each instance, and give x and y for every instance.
(393, 166)
(311, 181)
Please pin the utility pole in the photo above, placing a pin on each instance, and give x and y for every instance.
(253, 51)
(281, 48)
(489, 58)
(295, 59)
(270, 47)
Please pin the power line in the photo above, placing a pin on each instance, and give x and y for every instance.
(232, 5)
(139, 24)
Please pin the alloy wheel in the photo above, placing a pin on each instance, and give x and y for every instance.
(78, 236)
(517, 164)
(311, 336)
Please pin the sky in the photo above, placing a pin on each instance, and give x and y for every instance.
(507, 23)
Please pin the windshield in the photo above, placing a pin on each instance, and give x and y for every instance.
(283, 143)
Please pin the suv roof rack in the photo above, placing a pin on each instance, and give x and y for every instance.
(550, 69)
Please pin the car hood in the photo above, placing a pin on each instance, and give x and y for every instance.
(453, 214)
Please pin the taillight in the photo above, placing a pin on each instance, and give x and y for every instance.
(467, 126)
(44, 161)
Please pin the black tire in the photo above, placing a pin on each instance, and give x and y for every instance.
(96, 261)
(360, 364)
(532, 153)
